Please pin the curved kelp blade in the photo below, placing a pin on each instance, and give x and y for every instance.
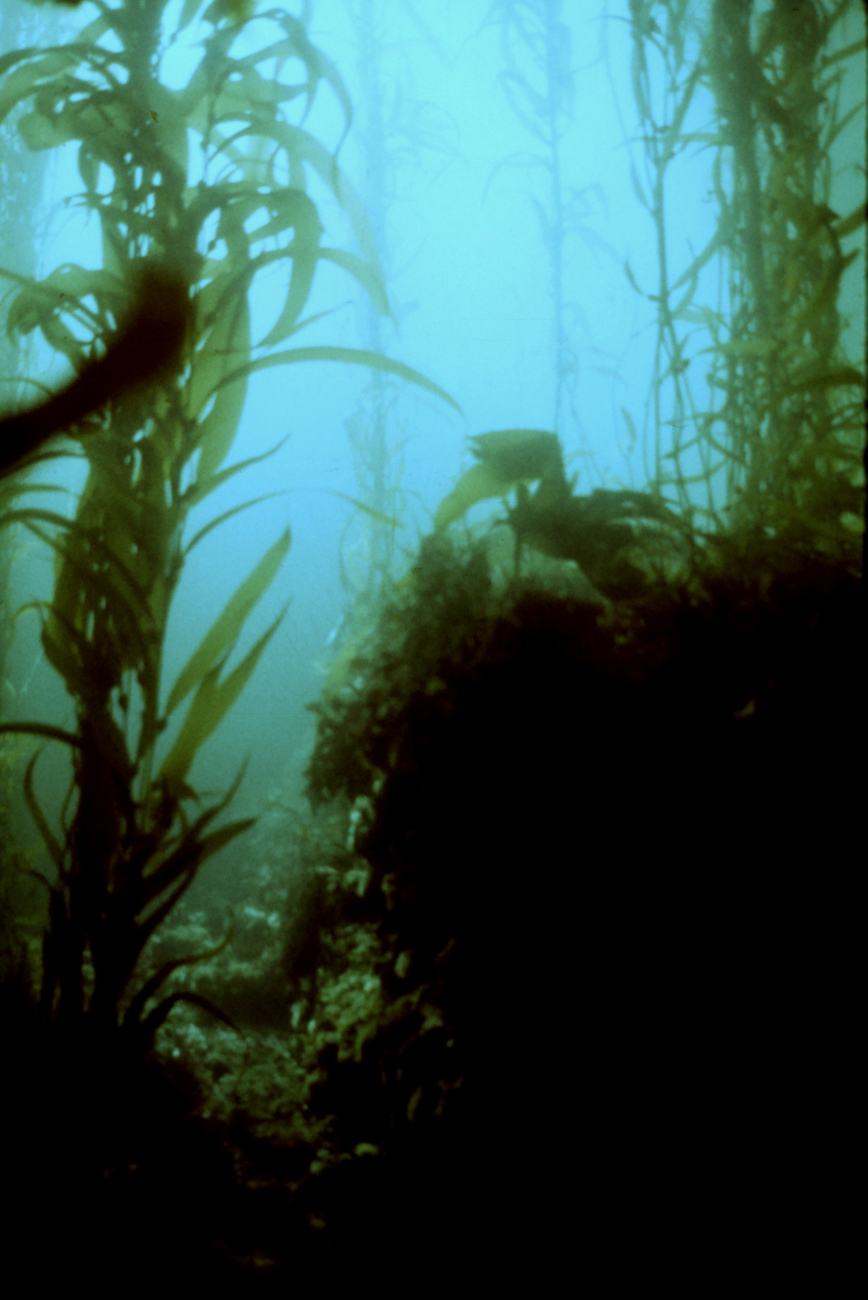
(388, 520)
(102, 590)
(41, 729)
(163, 885)
(298, 212)
(211, 703)
(48, 838)
(362, 271)
(85, 539)
(479, 484)
(150, 987)
(145, 1029)
(349, 356)
(229, 338)
(200, 490)
(66, 648)
(217, 643)
(11, 489)
(227, 514)
(181, 870)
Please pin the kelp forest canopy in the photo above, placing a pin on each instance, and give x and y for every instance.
(432, 516)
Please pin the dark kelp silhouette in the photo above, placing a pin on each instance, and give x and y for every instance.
(154, 410)
(576, 862)
(596, 531)
(145, 348)
(173, 376)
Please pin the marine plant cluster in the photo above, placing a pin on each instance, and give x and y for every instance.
(159, 340)
(572, 773)
(778, 449)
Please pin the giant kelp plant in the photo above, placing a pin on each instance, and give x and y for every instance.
(129, 850)
(155, 418)
(779, 452)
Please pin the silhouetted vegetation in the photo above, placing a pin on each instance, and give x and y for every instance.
(161, 377)
(551, 918)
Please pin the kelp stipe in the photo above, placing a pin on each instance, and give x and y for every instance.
(539, 83)
(391, 127)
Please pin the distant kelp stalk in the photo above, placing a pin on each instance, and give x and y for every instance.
(156, 440)
(539, 82)
(777, 452)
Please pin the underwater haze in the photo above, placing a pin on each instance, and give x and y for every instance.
(432, 490)
(509, 196)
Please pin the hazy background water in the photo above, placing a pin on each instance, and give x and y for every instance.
(456, 196)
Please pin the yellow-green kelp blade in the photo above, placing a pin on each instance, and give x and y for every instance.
(347, 356)
(211, 703)
(478, 484)
(216, 644)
